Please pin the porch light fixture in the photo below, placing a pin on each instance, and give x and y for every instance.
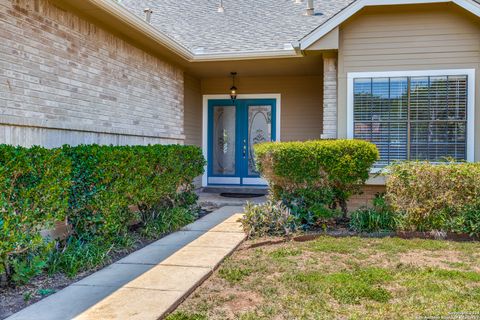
(233, 89)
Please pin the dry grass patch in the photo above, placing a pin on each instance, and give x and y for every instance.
(340, 278)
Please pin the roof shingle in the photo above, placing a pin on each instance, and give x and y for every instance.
(245, 26)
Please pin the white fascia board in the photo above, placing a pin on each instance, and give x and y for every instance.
(356, 6)
(273, 54)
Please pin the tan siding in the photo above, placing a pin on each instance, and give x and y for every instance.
(302, 98)
(414, 37)
(193, 111)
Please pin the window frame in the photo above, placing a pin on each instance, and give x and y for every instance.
(470, 73)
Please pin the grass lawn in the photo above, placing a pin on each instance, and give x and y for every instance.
(341, 278)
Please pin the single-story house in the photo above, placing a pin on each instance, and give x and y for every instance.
(399, 73)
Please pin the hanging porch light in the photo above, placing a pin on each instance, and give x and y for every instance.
(233, 89)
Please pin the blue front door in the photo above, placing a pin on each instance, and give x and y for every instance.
(234, 127)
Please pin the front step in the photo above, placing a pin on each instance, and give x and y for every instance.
(236, 189)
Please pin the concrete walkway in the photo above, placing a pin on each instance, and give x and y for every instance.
(150, 282)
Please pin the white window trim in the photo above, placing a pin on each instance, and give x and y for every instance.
(420, 73)
(206, 98)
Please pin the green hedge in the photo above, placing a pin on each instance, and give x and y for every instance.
(101, 190)
(429, 196)
(315, 175)
(107, 180)
(35, 185)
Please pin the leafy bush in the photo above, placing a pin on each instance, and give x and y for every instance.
(108, 180)
(34, 184)
(467, 221)
(269, 218)
(430, 196)
(314, 175)
(378, 218)
(100, 190)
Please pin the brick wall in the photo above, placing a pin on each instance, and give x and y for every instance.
(66, 80)
(329, 97)
(365, 199)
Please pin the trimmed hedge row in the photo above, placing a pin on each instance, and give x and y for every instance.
(100, 190)
(313, 176)
(35, 186)
(107, 180)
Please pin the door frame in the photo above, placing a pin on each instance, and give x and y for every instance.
(208, 97)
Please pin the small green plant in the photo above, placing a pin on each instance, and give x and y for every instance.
(167, 220)
(27, 268)
(234, 274)
(79, 255)
(46, 292)
(376, 219)
(27, 296)
(269, 218)
(467, 221)
(285, 252)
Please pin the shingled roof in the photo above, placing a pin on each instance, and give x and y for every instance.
(245, 26)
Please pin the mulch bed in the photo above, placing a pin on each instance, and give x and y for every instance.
(15, 299)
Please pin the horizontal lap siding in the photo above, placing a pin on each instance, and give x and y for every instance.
(413, 37)
(403, 35)
(193, 111)
(66, 80)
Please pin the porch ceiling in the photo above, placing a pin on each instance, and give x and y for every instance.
(307, 65)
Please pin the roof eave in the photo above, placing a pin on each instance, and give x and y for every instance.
(185, 55)
(232, 56)
(135, 22)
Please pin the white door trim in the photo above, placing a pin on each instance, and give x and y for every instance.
(207, 97)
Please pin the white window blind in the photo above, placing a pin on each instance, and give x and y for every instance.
(412, 118)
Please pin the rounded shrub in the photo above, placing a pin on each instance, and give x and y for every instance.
(315, 175)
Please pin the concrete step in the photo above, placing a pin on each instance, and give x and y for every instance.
(236, 189)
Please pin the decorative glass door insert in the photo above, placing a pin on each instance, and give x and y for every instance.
(233, 129)
(259, 130)
(224, 141)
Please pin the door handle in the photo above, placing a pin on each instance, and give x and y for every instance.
(244, 151)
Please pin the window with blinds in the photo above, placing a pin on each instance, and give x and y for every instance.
(412, 118)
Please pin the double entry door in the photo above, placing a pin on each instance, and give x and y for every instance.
(234, 127)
